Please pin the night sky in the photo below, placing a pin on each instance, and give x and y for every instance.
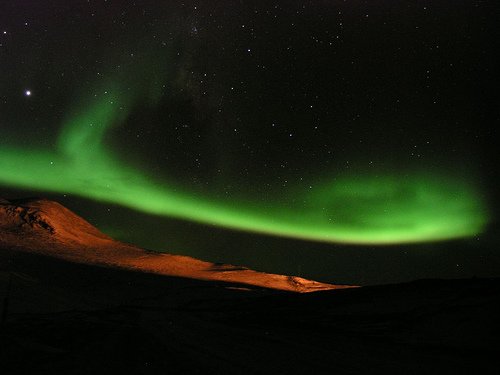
(348, 141)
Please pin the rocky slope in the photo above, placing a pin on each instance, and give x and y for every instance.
(45, 227)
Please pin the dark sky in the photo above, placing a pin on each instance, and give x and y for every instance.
(349, 141)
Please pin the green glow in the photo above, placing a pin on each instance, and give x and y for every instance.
(360, 209)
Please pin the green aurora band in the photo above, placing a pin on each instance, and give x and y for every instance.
(357, 209)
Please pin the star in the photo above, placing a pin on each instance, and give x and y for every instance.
(27, 93)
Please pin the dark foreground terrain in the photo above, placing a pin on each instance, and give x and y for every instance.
(60, 317)
(75, 301)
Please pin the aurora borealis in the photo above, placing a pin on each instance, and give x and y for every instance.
(354, 209)
(319, 124)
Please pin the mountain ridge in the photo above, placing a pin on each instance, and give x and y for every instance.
(42, 226)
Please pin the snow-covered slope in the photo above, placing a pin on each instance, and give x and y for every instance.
(46, 227)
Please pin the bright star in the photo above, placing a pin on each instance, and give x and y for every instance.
(27, 93)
